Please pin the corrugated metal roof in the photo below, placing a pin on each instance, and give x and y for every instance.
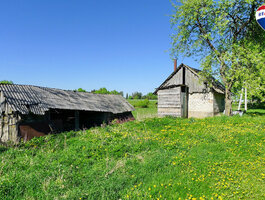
(35, 99)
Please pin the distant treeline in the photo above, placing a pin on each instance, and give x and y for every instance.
(6, 82)
(139, 95)
(101, 91)
(134, 95)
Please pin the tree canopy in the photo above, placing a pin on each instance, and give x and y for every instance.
(6, 82)
(150, 96)
(81, 90)
(105, 91)
(225, 35)
(101, 91)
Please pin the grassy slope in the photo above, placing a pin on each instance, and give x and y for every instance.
(143, 113)
(165, 158)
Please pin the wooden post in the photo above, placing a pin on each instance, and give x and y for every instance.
(246, 101)
(76, 120)
(240, 100)
(2, 102)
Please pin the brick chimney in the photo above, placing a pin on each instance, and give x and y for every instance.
(175, 65)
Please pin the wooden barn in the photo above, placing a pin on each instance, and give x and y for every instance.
(183, 95)
(29, 111)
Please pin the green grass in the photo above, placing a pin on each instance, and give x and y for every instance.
(143, 113)
(151, 111)
(158, 158)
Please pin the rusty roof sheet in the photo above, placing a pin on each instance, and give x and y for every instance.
(38, 100)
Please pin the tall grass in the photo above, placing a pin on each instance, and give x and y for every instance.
(147, 112)
(158, 158)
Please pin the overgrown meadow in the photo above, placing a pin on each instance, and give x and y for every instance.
(144, 108)
(156, 158)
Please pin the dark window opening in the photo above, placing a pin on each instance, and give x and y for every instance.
(183, 88)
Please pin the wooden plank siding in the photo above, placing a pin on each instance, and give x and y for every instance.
(183, 94)
(176, 79)
(8, 124)
(191, 80)
(194, 83)
(169, 102)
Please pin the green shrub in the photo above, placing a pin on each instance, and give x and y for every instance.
(150, 96)
(6, 82)
(141, 103)
(105, 91)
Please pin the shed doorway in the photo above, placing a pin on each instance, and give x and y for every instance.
(184, 98)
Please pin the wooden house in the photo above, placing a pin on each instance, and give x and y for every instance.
(28, 111)
(182, 94)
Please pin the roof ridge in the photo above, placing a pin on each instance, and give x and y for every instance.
(53, 98)
(193, 70)
(67, 90)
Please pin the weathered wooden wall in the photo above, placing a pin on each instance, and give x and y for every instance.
(176, 79)
(191, 80)
(202, 100)
(8, 123)
(194, 83)
(169, 102)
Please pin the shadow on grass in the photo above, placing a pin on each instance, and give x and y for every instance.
(253, 114)
(3, 149)
(256, 112)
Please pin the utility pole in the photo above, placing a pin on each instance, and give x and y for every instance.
(246, 101)
(240, 100)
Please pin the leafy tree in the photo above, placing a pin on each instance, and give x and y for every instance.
(6, 82)
(225, 34)
(116, 92)
(141, 104)
(81, 90)
(150, 96)
(101, 91)
(137, 95)
(105, 91)
(253, 70)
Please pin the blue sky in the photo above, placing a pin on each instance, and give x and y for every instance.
(68, 44)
